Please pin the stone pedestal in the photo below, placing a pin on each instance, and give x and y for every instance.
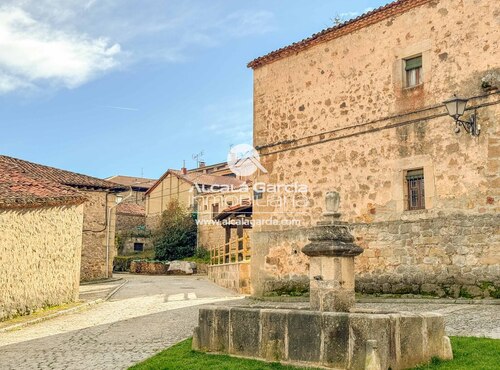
(332, 334)
(332, 251)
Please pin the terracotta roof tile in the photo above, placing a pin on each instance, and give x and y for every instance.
(390, 10)
(20, 189)
(136, 182)
(130, 209)
(200, 179)
(61, 176)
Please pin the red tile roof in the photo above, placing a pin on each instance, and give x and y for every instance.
(130, 209)
(20, 189)
(390, 10)
(136, 182)
(242, 209)
(200, 179)
(62, 177)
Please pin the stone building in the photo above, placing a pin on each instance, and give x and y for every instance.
(225, 230)
(40, 241)
(98, 246)
(183, 186)
(358, 108)
(138, 185)
(131, 233)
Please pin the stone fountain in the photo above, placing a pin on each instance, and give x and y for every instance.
(332, 333)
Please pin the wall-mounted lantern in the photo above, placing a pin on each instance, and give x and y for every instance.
(456, 108)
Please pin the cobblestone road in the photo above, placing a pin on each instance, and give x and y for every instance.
(150, 313)
(147, 314)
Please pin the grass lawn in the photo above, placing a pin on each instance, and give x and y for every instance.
(469, 353)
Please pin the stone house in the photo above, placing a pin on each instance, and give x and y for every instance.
(225, 230)
(358, 108)
(131, 233)
(40, 241)
(98, 243)
(138, 185)
(183, 186)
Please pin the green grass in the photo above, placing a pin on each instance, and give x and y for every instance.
(181, 357)
(469, 353)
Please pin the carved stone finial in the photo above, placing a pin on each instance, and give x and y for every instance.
(332, 201)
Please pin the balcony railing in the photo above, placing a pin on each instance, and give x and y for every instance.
(236, 251)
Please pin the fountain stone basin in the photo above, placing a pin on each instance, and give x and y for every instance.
(332, 333)
(339, 340)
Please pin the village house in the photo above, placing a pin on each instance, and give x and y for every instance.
(98, 242)
(131, 233)
(138, 185)
(184, 186)
(212, 198)
(358, 109)
(40, 241)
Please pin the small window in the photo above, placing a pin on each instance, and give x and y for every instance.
(415, 189)
(229, 203)
(413, 71)
(138, 247)
(215, 210)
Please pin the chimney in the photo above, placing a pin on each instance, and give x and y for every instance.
(184, 169)
(202, 164)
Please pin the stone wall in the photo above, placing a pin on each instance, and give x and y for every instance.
(126, 222)
(40, 251)
(234, 276)
(95, 235)
(128, 244)
(338, 117)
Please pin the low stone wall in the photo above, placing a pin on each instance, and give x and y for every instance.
(234, 276)
(40, 251)
(149, 267)
(334, 340)
(455, 255)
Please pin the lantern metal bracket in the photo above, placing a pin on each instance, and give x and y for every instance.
(470, 126)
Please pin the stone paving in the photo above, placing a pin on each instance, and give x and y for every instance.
(146, 315)
(150, 313)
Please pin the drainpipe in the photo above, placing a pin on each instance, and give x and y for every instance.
(108, 223)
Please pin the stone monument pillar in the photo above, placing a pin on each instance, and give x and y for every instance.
(332, 251)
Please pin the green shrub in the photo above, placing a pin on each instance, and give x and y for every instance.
(175, 237)
(122, 263)
(201, 255)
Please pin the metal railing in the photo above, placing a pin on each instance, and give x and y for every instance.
(236, 251)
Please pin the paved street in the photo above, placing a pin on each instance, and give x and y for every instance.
(150, 313)
(146, 315)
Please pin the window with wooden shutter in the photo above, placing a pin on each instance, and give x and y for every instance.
(413, 70)
(415, 189)
(215, 210)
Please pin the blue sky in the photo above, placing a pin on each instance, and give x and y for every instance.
(106, 87)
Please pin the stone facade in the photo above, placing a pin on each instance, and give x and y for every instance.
(336, 115)
(234, 276)
(95, 236)
(40, 252)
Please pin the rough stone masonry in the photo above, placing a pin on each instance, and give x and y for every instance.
(334, 112)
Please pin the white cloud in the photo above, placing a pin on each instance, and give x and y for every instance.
(246, 22)
(33, 53)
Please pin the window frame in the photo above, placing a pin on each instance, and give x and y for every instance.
(419, 71)
(416, 175)
(139, 250)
